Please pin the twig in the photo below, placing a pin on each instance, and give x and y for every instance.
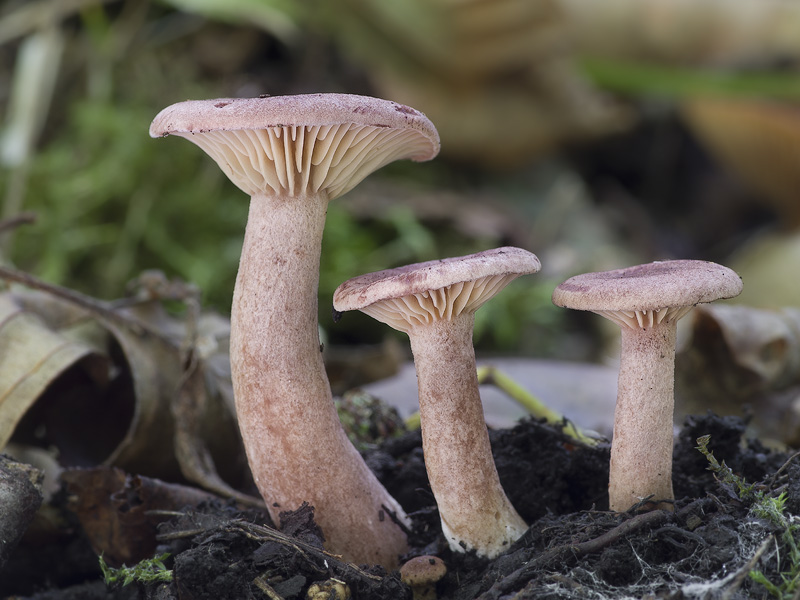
(567, 553)
(393, 516)
(784, 466)
(695, 506)
(262, 584)
(12, 223)
(92, 305)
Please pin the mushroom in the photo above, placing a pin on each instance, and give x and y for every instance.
(292, 154)
(330, 589)
(434, 303)
(421, 574)
(646, 301)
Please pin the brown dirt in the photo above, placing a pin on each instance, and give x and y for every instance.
(574, 548)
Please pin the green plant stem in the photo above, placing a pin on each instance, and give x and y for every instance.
(489, 375)
(492, 375)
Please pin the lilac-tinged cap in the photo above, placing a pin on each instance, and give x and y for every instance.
(434, 290)
(303, 143)
(659, 289)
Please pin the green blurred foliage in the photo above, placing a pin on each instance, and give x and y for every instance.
(111, 202)
(520, 317)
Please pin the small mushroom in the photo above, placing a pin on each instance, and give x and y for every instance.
(434, 303)
(331, 589)
(292, 155)
(646, 301)
(421, 574)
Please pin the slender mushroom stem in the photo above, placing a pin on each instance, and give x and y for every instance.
(291, 155)
(641, 453)
(474, 510)
(646, 301)
(434, 303)
(288, 420)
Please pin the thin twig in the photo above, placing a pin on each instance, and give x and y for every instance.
(784, 466)
(262, 584)
(26, 218)
(92, 305)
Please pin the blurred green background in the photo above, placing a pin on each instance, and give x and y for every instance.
(589, 141)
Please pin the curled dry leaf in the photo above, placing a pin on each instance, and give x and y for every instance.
(32, 359)
(145, 410)
(744, 359)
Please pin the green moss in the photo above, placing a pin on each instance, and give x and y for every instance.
(772, 509)
(152, 570)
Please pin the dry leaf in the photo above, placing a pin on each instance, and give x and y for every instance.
(32, 358)
(131, 423)
(742, 359)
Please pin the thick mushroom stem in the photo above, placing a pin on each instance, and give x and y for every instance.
(641, 449)
(474, 510)
(287, 417)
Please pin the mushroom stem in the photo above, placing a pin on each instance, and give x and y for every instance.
(641, 449)
(474, 510)
(288, 421)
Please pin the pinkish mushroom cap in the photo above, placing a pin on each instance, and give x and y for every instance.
(292, 154)
(301, 143)
(437, 289)
(654, 290)
(646, 301)
(433, 302)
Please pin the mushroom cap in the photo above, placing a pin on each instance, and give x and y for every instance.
(650, 287)
(303, 143)
(434, 290)
(422, 570)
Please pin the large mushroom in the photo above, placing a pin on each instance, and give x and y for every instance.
(646, 301)
(292, 154)
(434, 303)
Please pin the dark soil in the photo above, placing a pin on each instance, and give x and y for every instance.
(575, 548)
